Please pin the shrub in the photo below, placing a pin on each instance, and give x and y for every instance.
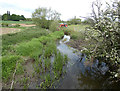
(17, 25)
(5, 24)
(44, 39)
(54, 26)
(42, 17)
(66, 30)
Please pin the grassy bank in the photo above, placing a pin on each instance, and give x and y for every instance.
(80, 27)
(77, 35)
(31, 50)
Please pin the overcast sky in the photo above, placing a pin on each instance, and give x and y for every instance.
(67, 8)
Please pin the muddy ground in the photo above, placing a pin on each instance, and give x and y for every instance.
(77, 44)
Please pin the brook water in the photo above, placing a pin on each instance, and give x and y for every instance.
(81, 76)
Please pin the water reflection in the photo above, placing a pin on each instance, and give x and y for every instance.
(80, 76)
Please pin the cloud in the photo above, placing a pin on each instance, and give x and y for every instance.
(67, 8)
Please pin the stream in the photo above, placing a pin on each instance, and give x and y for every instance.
(79, 75)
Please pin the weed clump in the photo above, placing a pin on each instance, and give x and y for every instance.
(50, 49)
(58, 64)
(8, 66)
(32, 48)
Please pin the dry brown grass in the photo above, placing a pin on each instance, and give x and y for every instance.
(8, 30)
(26, 25)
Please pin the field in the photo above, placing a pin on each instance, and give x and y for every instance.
(79, 27)
(17, 22)
(15, 26)
(27, 53)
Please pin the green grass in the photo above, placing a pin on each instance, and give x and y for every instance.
(22, 28)
(47, 83)
(8, 66)
(80, 27)
(19, 67)
(58, 64)
(23, 36)
(36, 44)
(77, 31)
(32, 48)
(17, 22)
(50, 49)
(47, 63)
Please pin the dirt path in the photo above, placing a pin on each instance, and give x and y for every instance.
(8, 30)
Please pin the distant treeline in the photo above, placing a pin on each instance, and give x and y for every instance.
(12, 17)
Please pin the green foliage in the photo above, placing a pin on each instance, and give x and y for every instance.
(25, 35)
(47, 83)
(32, 48)
(79, 28)
(74, 36)
(47, 63)
(77, 31)
(58, 65)
(19, 67)
(54, 26)
(56, 35)
(25, 82)
(50, 49)
(74, 21)
(44, 39)
(89, 21)
(51, 37)
(28, 19)
(41, 49)
(42, 17)
(17, 22)
(66, 31)
(5, 17)
(8, 66)
(17, 25)
(106, 35)
(5, 24)
(12, 17)
(65, 59)
(9, 25)
(38, 66)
